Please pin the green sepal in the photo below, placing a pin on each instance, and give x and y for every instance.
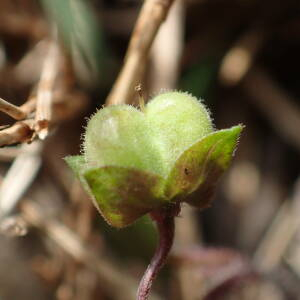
(76, 163)
(124, 194)
(201, 165)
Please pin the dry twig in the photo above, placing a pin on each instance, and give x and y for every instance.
(19, 177)
(24, 131)
(12, 110)
(45, 92)
(64, 107)
(152, 15)
(20, 132)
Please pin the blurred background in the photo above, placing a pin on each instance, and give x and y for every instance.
(242, 58)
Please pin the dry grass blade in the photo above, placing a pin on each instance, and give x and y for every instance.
(152, 15)
(19, 177)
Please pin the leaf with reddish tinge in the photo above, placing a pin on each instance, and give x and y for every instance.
(124, 194)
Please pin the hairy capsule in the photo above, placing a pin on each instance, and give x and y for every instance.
(136, 161)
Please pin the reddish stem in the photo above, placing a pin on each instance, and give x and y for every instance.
(165, 225)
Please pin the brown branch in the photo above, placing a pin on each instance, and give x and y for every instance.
(12, 110)
(20, 132)
(64, 108)
(152, 15)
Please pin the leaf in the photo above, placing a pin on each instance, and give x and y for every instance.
(201, 165)
(124, 194)
(81, 32)
(78, 164)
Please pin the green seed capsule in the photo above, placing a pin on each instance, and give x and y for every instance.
(136, 161)
(121, 136)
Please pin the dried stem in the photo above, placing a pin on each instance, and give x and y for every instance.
(19, 177)
(166, 226)
(64, 107)
(12, 110)
(152, 15)
(20, 132)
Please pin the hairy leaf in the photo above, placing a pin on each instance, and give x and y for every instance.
(201, 165)
(124, 194)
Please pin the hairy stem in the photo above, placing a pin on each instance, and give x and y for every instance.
(165, 225)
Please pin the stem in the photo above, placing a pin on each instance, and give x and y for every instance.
(166, 226)
(139, 90)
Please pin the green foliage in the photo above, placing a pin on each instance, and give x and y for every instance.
(201, 165)
(123, 193)
(135, 162)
